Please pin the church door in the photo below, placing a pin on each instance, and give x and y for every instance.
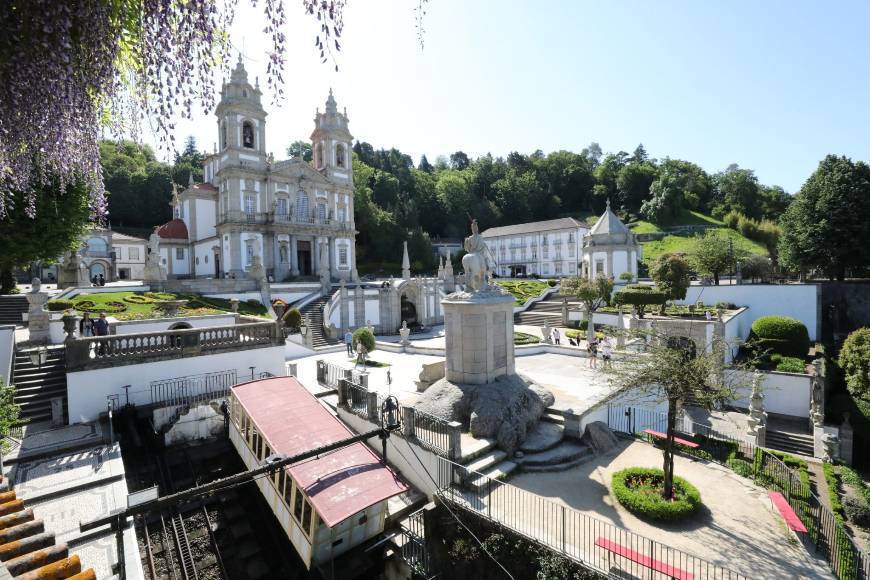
(303, 258)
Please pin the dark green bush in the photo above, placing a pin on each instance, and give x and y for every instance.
(293, 318)
(855, 361)
(725, 305)
(59, 305)
(638, 489)
(832, 478)
(781, 335)
(524, 338)
(857, 511)
(364, 334)
(788, 364)
(633, 295)
(253, 302)
(137, 299)
(551, 283)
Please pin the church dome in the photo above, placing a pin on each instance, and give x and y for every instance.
(173, 229)
(609, 223)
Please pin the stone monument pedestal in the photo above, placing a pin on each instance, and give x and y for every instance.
(479, 334)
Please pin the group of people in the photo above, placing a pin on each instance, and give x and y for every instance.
(90, 327)
(98, 280)
(606, 347)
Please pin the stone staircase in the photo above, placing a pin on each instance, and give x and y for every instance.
(795, 443)
(313, 312)
(11, 309)
(544, 450)
(547, 310)
(36, 386)
(27, 550)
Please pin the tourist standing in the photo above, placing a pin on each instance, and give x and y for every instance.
(556, 335)
(102, 280)
(607, 351)
(348, 342)
(86, 326)
(592, 351)
(101, 325)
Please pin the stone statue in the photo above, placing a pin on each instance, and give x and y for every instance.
(404, 334)
(35, 285)
(258, 274)
(475, 261)
(154, 271)
(37, 316)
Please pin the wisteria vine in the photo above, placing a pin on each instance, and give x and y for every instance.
(69, 68)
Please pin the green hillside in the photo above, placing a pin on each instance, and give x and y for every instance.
(681, 243)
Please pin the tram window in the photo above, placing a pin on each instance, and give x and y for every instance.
(306, 518)
(288, 490)
(266, 450)
(297, 505)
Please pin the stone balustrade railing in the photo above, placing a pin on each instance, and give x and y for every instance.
(104, 351)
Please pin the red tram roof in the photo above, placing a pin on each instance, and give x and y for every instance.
(292, 420)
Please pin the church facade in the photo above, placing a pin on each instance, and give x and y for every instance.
(296, 215)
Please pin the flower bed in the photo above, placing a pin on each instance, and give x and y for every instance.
(109, 307)
(525, 338)
(639, 490)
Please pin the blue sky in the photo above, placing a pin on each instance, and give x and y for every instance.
(770, 85)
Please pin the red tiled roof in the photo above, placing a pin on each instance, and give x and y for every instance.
(173, 229)
(204, 187)
(292, 420)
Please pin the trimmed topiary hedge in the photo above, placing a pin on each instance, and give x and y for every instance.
(364, 334)
(525, 338)
(59, 305)
(640, 297)
(781, 335)
(137, 299)
(293, 318)
(639, 489)
(92, 307)
(788, 364)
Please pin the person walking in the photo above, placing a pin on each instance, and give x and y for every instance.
(592, 350)
(607, 352)
(86, 326)
(348, 342)
(101, 328)
(556, 336)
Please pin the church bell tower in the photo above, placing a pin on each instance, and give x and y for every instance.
(331, 143)
(241, 119)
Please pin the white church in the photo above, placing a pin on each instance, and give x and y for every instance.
(291, 213)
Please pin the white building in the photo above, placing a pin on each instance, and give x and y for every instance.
(287, 212)
(610, 248)
(547, 248)
(129, 256)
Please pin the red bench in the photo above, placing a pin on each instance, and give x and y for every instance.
(792, 520)
(646, 561)
(660, 435)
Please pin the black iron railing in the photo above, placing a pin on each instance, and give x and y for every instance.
(193, 388)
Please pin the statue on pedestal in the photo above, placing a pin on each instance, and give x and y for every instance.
(757, 416)
(37, 316)
(154, 272)
(404, 334)
(258, 273)
(475, 262)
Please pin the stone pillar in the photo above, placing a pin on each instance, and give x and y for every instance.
(455, 451)
(359, 306)
(344, 309)
(406, 262)
(479, 337)
(846, 440)
(620, 331)
(294, 258)
(325, 279)
(436, 301)
(757, 417)
(564, 312)
(407, 422)
(37, 317)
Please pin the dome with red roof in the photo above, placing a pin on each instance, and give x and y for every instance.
(173, 229)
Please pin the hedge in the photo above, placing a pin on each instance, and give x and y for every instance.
(111, 307)
(293, 318)
(364, 334)
(855, 361)
(525, 338)
(59, 305)
(640, 298)
(137, 299)
(788, 364)
(781, 335)
(638, 490)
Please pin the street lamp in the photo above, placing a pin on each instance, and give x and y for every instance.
(38, 356)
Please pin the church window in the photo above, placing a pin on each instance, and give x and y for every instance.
(302, 210)
(179, 253)
(342, 214)
(342, 256)
(250, 205)
(206, 258)
(249, 251)
(281, 206)
(339, 155)
(318, 152)
(245, 93)
(321, 212)
(223, 135)
(248, 134)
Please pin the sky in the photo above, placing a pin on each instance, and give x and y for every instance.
(771, 85)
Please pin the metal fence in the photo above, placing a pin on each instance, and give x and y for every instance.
(356, 400)
(413, 543)
(193, 388)
(429, 431)
(328, 374)
(585, 539)
(826, 536)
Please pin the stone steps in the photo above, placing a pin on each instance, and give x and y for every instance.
(484, 462)
(36, 386)
(499, 471)
(543, 437)
(797, 443)
(564, 456)
(11, 309)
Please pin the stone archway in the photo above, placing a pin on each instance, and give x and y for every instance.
(408, 311)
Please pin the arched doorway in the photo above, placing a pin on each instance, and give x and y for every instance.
(96, 269)
(408, 311)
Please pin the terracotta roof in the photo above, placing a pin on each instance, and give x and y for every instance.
(533, 227)
(204, 187)
(175, 229)
(339, 484)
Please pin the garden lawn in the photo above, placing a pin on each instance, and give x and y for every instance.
(684, 244)
(524, 289)
(114, 304)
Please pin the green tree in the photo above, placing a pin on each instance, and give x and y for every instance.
(592, 293)
(854, 360)
(453, 192)
(606, 174)
(713, 254)
(421, 252)
(140, 186)
(825, 226)
(755, 267)
(674, 370)
(60, 220)
(425, 165)
(459, 160)
(680, 185)
(633, 184)
(670, 272)
(774, 201)
(188, 163)
(738, 190)
(300, 149)
(9, 411)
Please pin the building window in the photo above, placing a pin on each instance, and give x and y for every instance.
(572, 250)
(132, 253)
(599, 267)
(197, 260)
(249, 251)
(321, 212)
(558, 267)
(302, 205)
(342, 255)
(250, 204)
(339, 155)
(281, 206)
(206, 258)
(179, 253)
(318, 155)
(342, 214)
(248, 135)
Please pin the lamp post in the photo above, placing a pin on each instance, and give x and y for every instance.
(389, 421)
(39, 356)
